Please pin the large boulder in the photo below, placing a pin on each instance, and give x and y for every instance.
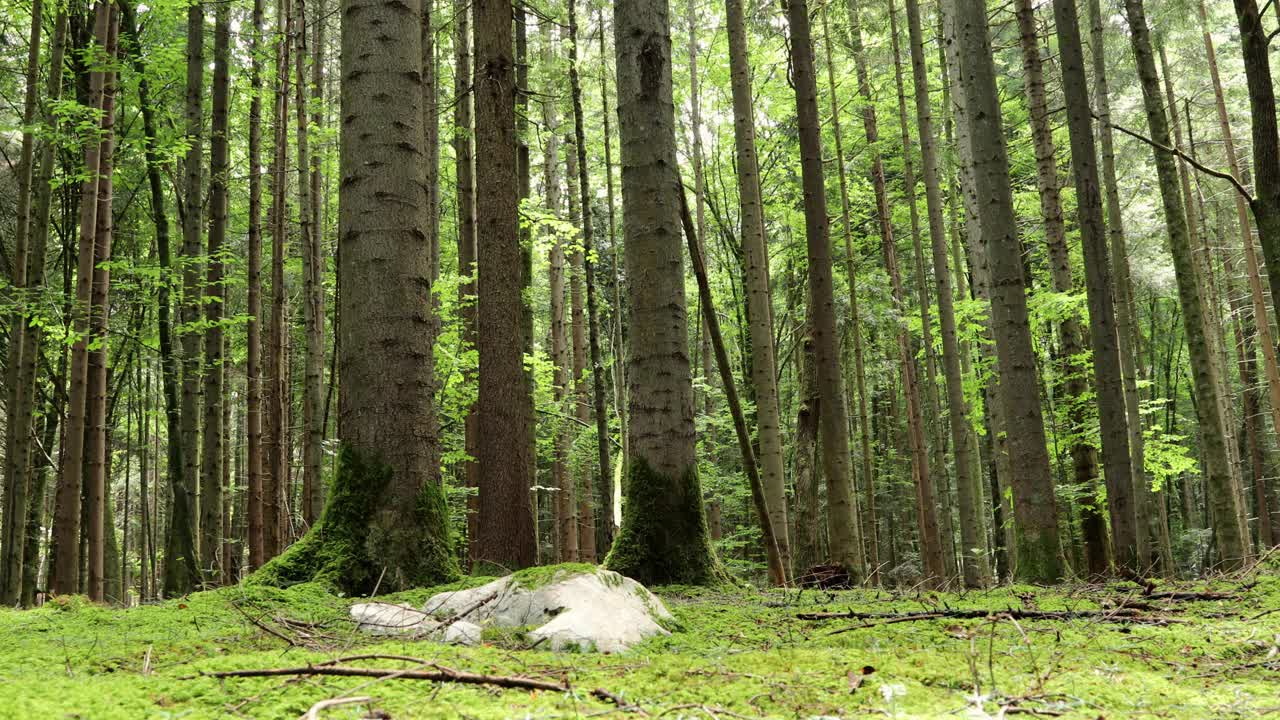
(569, 608)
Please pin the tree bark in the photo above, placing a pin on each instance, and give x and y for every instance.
(1034, 504)
(253, 362)
(663, 538)
(975, 568)
(842, 515)
(505, 536)
(1230, 536)
(312, 286)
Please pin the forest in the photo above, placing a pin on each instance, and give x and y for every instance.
(699, 359)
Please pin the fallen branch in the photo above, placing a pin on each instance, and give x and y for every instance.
(466, 611)
(440, 674)
(1121, 615)
(314, 712)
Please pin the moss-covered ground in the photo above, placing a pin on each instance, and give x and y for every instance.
(739, 653)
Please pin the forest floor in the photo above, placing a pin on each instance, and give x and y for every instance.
(1187, 650)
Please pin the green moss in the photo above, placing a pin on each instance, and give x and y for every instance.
(541, 576)
(664, 537)
(360, 545)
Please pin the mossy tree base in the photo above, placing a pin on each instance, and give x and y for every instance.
(365, 541)
(664, 538)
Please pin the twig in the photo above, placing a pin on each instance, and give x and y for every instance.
(263, 626)
(441, 674)
(314, 712)
(466, 611)
(1240, 188)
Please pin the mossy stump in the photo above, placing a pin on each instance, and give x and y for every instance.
(365, 540)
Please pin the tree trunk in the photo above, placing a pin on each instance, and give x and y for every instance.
(1230, 536)
(975, 568)
(931, 546)
(211, 447)
(842, 514)
(27, 337)
(755, 253)
(505, 536)
(1034, 504)
(385, 524)
(465, 189)
(253, 331)
(663, 538)
(67, 504)
(586, 509)
(312, 287)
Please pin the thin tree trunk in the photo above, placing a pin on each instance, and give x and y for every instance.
(975, 568)
(67, 504)
(211, 447)
(312, 286)
(842, 514)
(586, 509)
(931, 551)
(1073, 375)
(1034, 504)
(253, 362)
(755, 253)
(1224, 503)
(465, 190)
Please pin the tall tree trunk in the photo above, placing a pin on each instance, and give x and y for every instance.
(608, 527)
(933, 417)
(192, 213)
(67, 504)
(580, 407)
(385, 524)
(586, 509)
(312, 286)
(1153, 542)
(276, 396)
(931, 547)
(1122, 496)
(465, 189)
(505, 536)
(855, 325)
(1262, 322)
(566, 525)
(27, 337)
(211, 447)
(663, 538)
(253, 331)
(1034, 504)
(975, 568)
(755, 253)
(1073, 375)
(97, 452)
(1254, 44)
(842, 514)
(1224, 503)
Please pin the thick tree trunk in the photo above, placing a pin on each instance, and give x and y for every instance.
(663, 538)
(1034, 504)
(755, 253)
(842, 514)
(1230, 536)
(975, 568)
(505, 536)
(385, 524)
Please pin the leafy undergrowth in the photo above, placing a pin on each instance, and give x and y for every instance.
(738, 654)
